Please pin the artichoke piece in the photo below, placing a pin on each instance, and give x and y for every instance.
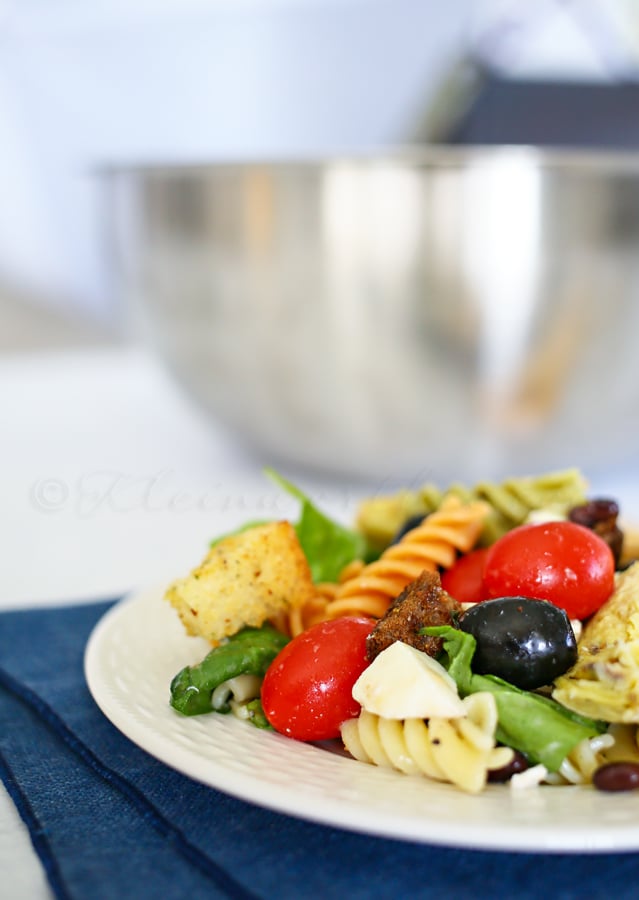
(604, 682)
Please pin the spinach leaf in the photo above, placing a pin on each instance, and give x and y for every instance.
(328, 546)
(537, 726)
(256, 715)
(249, 652)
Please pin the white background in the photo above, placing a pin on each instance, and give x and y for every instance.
(83, 85)
(110, 479)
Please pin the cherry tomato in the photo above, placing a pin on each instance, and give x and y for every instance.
(465, 579)
(565, 563)
(307, 689)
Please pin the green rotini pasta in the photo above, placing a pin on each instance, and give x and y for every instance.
(511, 501)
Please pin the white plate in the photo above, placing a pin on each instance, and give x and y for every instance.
(139, 645)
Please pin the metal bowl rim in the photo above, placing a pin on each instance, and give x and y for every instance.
(410, 157)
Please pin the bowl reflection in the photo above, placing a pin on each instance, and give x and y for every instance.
(460, 313)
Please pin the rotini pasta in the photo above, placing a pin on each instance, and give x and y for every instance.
(454, 528)
(511, 501)
(298, 618)
(626, 744)
(582, 761)
(235, 693)
(409, 720)
(618, 744)
(457, 751)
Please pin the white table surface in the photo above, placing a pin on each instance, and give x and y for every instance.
(111, 480)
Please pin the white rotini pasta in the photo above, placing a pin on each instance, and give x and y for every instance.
(454, 528)
(626, 745)
(235, 693)
(582, 761)
(617, 744)
(458, 751)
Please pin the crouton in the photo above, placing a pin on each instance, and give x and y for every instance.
(422, 603)
(244, 580)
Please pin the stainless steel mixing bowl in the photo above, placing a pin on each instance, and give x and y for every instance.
(445, 313)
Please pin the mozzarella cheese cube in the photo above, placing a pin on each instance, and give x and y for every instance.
(405, 683)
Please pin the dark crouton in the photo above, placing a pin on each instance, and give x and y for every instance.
(422, 603)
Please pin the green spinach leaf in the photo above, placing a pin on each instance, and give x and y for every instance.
(536, 725)
(328, 546)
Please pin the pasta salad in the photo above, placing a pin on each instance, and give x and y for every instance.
(468, 635)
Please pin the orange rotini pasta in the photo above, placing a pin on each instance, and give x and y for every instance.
(454, 528)
(298, 618)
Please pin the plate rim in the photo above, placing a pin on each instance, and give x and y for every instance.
(500, 837)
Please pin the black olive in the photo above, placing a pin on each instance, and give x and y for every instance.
(526, 642)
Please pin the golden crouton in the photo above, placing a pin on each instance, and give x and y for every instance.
(604, 682)
(245, 579)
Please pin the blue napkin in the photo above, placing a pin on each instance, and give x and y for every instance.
(109, 821)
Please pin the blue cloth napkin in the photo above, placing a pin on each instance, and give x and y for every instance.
(109, 821)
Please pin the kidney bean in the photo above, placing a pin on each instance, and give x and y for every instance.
(617, 776)
(519, 763)
(589, 514)
(600, 515)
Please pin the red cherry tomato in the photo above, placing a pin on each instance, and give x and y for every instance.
(307, 689)
(465, 579)
(565, 563)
